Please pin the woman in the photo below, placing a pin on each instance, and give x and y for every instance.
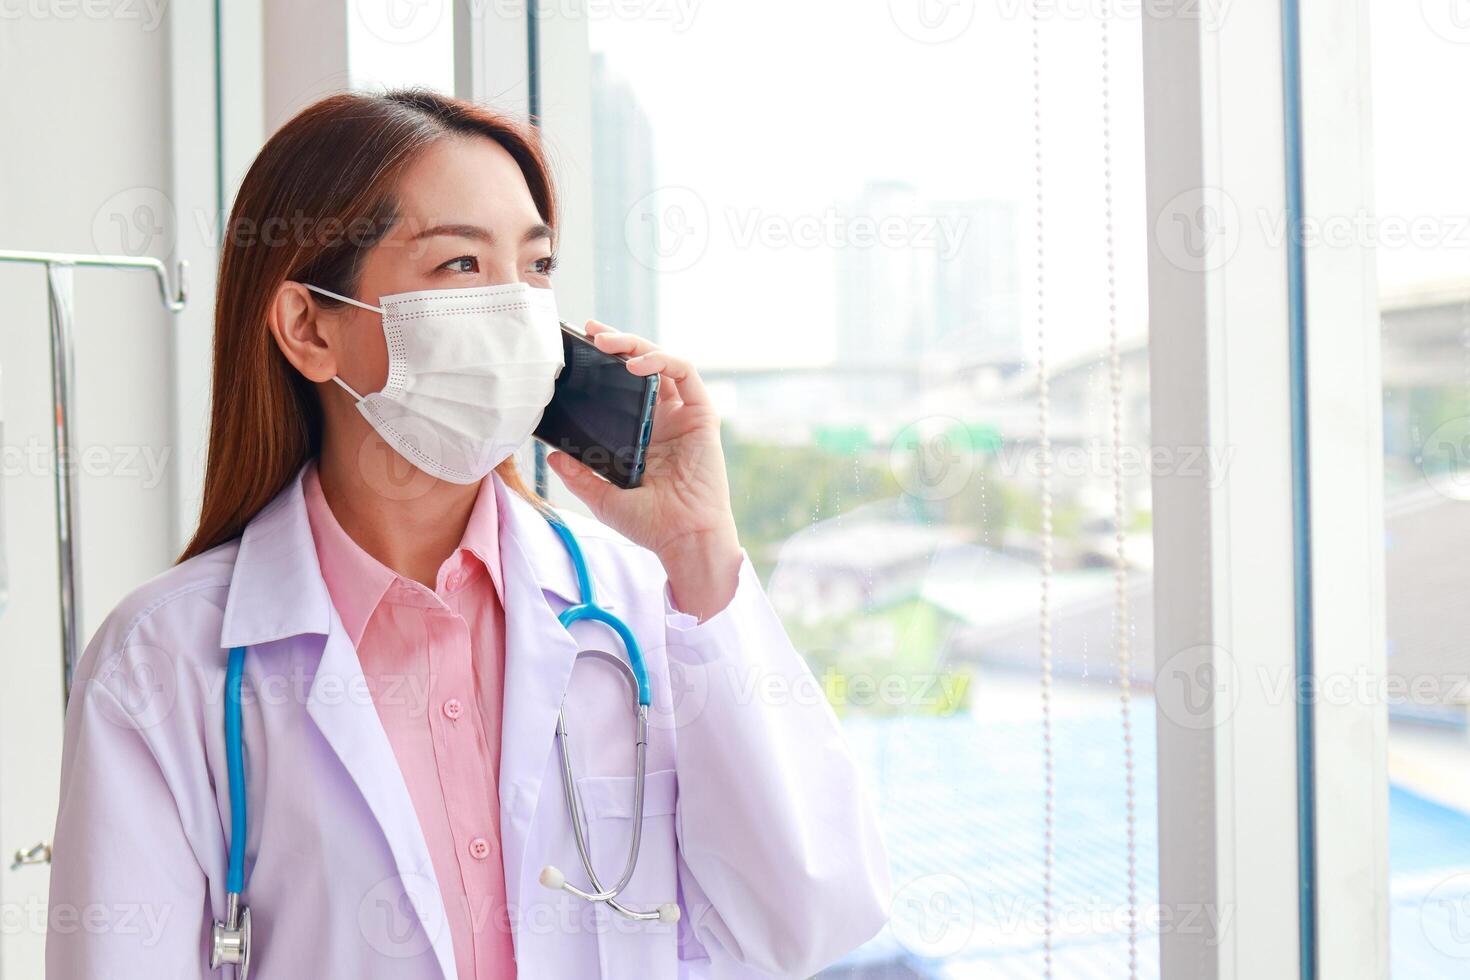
(385, 336)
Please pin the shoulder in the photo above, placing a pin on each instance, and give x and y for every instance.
(170, 620)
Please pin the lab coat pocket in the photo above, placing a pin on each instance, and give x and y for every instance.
(629, 948)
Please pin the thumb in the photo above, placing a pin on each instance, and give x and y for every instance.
(586, 485)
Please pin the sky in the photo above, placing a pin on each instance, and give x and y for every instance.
(770, 117)
(781, 112)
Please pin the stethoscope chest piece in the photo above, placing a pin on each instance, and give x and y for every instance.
(230, 939)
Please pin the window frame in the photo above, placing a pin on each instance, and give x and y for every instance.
(1221, 382)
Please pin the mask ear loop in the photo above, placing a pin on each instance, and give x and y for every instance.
(346, 299)
(347, 387)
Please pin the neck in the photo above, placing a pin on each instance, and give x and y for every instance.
(401, 516)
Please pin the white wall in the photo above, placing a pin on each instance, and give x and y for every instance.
(85, 165)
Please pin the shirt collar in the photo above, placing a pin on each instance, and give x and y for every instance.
(355, 579)
(277, 588)
(357, 582)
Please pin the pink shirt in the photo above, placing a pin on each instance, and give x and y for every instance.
(435, 664)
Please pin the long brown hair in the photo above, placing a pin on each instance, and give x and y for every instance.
(316, 199)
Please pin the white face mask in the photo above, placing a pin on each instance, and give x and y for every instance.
(469, 373)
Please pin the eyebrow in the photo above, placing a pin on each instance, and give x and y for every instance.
(536, 231)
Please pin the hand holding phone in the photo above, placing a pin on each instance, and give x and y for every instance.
(681, 511)
(600, 413)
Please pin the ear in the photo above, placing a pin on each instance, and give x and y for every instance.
(304, 332)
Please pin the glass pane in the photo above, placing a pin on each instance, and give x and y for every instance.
(397, 43)
(832, 208)
(1422, 233)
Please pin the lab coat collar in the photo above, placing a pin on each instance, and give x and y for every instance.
(549, 564)
(277, 588)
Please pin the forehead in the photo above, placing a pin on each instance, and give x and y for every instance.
(470, 180)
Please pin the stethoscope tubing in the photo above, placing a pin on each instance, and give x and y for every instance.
(237, 921)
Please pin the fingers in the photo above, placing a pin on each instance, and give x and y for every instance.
(680, 371)
(680, 380)
(586, 485)
(612, 341)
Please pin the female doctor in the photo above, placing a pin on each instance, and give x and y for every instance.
(378, 599)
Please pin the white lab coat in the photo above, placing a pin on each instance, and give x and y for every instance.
(756, 822)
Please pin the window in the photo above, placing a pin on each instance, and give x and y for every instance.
(1421, 235)
(832, 210)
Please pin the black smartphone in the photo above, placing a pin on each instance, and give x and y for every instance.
(600, 413)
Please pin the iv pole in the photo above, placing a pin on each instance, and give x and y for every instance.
(60, 309)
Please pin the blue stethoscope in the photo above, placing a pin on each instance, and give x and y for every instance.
(230, 939)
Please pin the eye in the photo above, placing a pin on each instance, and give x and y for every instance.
(464, 263)
(545, 265)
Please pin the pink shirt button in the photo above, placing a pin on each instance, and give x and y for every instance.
(479, 848)
(453, 708)
(454, 581)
